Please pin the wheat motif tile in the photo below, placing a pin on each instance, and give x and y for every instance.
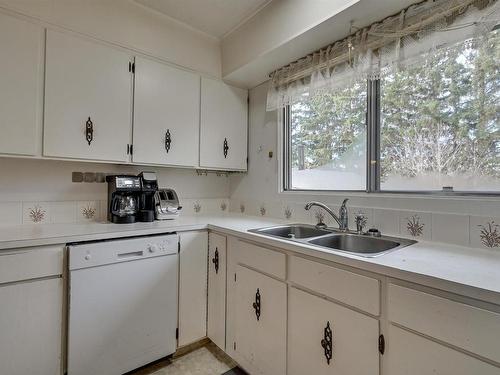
(87, 211)
(485, 232)
(36, 212)
(415, 225)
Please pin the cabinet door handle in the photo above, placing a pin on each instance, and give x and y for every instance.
(168, 140)
(215, 260)
(89, 131)
(256, 304)
(225, 148)
(327, 342)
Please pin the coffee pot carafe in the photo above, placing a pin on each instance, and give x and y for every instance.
(124, 205)
(123, 195)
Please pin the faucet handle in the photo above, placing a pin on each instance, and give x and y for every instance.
(361, 221)
(344, 202)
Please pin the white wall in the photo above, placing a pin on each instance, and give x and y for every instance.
(279, 22)
(287, 30)
(26, 183)
(30, 179)
(128, 24)
(461, 216)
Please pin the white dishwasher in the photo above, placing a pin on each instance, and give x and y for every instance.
(122, 304)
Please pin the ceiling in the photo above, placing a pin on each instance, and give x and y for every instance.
(214, 17)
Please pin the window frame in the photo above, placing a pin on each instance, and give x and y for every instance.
(373, 131)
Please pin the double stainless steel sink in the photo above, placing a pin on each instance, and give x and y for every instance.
(359, 244)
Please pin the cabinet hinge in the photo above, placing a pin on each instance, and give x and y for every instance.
(179, 247)
(235, 277)
(381, 344)
(177, 333)
(234, 346)
(131, 149)
(131, 67)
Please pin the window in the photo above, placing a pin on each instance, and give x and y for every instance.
(436, 129)
(328, 141)
(440, 122)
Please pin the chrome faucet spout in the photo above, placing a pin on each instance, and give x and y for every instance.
(341, 219)
(344, 216)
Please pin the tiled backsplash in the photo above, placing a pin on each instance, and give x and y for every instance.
(62, 212)
(464, 230)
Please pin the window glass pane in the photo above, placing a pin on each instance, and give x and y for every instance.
(440, 121)
(328, 140)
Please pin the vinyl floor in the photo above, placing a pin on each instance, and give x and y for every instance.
(207, 360)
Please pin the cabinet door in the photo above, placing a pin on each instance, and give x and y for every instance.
(31, 327)
(223, 142)
(216, 329)
(86, 85)
(166, 115)
(192, 287)
(21, 77)
(260, 321)
(313, 322)
(411, 354)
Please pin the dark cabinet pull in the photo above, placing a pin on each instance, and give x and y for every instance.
(168, 140)
(381, 344)
(89, 131)
(256, 304)
(215, 260)
(327, 342)
(225, 148)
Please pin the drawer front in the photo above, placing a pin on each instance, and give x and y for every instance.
(411, 354)
(467, 327)
(262, 259)
(350, 288)
(31, 263)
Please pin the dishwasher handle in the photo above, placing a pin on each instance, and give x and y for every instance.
(131, 254)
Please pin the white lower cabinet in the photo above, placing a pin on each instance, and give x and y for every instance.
(411, 354)
(31, 327)
(260, 322)
(326, 338)
(216, 323)
(192, 286)
(31, 311)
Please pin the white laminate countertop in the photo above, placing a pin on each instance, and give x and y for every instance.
(470, 272)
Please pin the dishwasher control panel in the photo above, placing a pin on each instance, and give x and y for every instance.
(99, 253)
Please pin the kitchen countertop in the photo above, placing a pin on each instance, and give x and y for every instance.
(470, 272)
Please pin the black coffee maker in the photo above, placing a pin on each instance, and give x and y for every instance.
(149, 186)
(123, 198)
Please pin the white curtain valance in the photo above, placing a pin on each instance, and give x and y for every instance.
(384, 47)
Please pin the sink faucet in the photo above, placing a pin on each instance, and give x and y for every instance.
(342, 219)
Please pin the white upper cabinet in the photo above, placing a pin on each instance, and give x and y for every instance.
(223, 142)
(21, 79)
(88, 96)
(166, 115)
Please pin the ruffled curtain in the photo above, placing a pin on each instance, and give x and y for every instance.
(409, 38)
